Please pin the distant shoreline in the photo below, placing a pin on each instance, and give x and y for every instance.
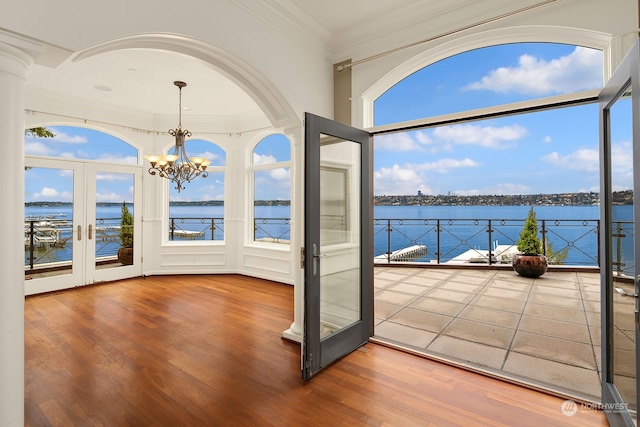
(560, 199)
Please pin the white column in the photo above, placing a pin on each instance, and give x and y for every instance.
(13, 67)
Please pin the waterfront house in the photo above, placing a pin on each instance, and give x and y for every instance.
(253, 69)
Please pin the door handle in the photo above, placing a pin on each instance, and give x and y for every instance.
(315, 261)
(79, 232)
(90, 231)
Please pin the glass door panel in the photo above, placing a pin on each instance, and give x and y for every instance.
(53, 225)
(619, 152)
(114, 247)
(338, 310)
(339, 234)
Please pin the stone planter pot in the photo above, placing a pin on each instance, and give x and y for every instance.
(531, 266)
(125, 256)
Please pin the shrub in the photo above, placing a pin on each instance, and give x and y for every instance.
(529, 243)
(126, 227)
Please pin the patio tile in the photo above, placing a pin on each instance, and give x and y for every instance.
(499, 304)
(592, 306)
(509, 284)
(422, 281)
(460, 287)
(505, 293)
(403, 334)
(624, 362)
(388, 275)
(555, 300)
(439, 274)
(557, 292)
(445, 294)
(556, 313)
(468, 352)
(493, 317)
(595, 333)
(589, 278)
(563, 376)
(556, 329)
(559, 350)
(484, 333)
(557, 340)
(593, 319)
(381, 283)
(422, 319)
(394, 297)
(438, 306)
(407, 288)
(384, 310)
(469, 279)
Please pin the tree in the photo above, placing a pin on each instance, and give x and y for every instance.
(39, 132)
(126, 227)
(529, 243)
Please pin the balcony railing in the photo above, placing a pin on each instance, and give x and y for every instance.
(433, 241)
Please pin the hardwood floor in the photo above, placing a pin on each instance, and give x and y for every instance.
(207, 351)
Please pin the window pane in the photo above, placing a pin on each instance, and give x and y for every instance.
(197, 212)
(81, 143)
(552, 151)
(274, 148)
(491, 76)
(272, 205)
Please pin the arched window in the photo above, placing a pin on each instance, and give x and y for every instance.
(517, 122)
(271, 165)
(82, 144)
(197, 212)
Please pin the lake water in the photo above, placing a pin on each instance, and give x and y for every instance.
(461, 227)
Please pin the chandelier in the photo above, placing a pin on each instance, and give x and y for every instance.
(176, 166)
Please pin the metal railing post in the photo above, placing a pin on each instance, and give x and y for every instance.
(489, 230)
(544, 237)
(388, 241)
(438, 241)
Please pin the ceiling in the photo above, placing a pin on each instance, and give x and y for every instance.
(142, 80)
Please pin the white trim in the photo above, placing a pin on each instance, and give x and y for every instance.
(248, 78)
(523, 34)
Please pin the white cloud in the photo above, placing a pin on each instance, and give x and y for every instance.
(109, 197)
(65, 138)
(280, 174)
(583, 159)
(259, 159)
(38, 149)
(446, 165)
(117, 158)
(405, 141)
(112, 177)
(580, 70)
(484, 136)
(397, 180)
(49, 193)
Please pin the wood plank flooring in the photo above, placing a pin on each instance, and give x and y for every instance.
(207, 351)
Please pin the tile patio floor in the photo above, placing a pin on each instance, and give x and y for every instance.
(543, 331)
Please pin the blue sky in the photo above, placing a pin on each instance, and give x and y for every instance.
(544, 152)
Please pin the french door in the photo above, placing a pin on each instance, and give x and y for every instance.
(338, 252)
(73, 234)
(619, 243)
